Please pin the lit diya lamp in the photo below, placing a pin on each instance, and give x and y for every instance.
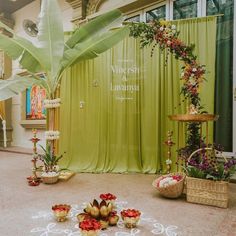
(90, 227)
(130, 217)
(61, 211)
(33, 181)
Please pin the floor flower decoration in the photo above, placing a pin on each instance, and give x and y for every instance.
(47, 225)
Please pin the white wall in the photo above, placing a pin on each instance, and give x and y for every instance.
(21, 135)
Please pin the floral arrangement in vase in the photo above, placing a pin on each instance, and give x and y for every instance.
(90, 227)
(210, 167)
(61, 211)
(130, 217)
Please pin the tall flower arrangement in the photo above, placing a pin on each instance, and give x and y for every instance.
(166, 36)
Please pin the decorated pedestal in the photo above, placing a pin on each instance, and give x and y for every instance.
(184, 119)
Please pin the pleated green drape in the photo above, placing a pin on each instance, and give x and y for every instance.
(224, 77)
(114, 113)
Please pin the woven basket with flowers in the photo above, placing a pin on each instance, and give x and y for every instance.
(170, 185)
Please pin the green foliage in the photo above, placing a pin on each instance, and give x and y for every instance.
(143, 31)
(52, 55)
(11, 87)
(218, 175)
(195, 172)
(208, 166)
(49, 159)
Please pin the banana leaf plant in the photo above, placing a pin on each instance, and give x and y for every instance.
(52, 55)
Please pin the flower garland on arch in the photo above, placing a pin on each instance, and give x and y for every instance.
(165, 34)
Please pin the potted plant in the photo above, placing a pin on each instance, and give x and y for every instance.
(207, 179)
(50, 172)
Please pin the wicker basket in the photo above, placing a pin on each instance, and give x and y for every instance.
(172, 191)
(50, 179)
(207, 192)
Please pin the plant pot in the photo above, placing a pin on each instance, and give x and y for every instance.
(49, 177)
(207, 192)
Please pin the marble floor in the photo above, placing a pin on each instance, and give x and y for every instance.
(26, 210)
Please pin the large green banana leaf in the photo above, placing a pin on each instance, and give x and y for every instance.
(17, 47)
(51, 55)
(51, 35)
(95, 27)
(92, 47)
(15, 85)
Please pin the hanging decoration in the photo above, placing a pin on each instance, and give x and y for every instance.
(169, 143)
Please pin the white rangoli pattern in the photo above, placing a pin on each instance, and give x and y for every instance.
(71, 228)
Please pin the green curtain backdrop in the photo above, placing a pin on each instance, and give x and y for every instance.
(114, 113)
(224, 71)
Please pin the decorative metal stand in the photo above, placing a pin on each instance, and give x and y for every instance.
(34, 180)
(192, 118)
(169, 143)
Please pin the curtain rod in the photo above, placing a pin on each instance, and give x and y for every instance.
(193, 18)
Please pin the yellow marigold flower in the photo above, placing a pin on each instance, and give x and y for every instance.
(163, 23)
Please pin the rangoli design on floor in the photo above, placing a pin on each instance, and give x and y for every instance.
(70, 227)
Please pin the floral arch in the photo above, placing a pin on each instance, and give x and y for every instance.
(165, 34)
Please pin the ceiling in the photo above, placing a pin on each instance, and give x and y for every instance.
(10, 6)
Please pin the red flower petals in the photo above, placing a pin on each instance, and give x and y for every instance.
(61, 207)
(90, 224)
(107, 196)
(130, 213)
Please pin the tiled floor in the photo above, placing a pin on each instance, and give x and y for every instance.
(19, 202)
